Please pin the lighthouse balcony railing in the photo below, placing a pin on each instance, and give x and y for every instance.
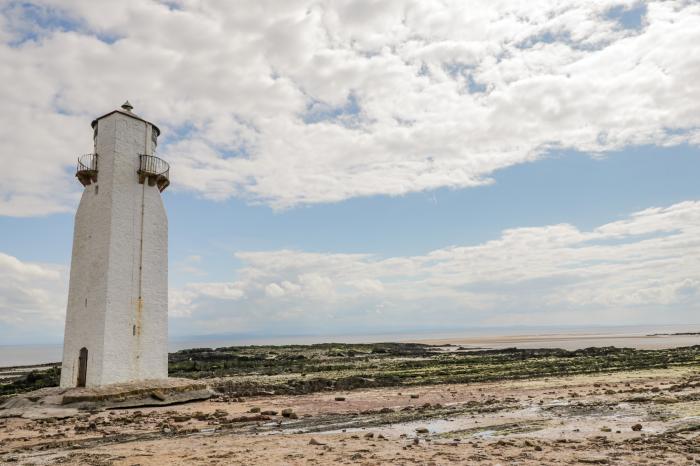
(86, 171)
(154, 170)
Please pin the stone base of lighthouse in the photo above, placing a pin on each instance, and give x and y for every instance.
(56, 402)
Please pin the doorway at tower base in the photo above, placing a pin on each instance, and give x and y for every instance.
(66, 402)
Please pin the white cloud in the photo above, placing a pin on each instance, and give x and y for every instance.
(304, 102)
(273, 290)
(642, 269)
(32, 299)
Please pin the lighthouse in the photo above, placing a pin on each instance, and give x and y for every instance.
(117, 314)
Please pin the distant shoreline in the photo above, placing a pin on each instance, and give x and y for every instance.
(574, 341)
(16, 356)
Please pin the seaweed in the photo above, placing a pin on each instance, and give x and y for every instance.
(298, 369)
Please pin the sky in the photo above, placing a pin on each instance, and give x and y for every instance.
(365, 166)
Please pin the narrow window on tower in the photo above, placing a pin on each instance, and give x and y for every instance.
(133, 331)
(85, 302)
(97, 189)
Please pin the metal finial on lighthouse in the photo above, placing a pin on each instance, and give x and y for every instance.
(127, 106)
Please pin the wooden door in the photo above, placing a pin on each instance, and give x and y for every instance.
(82, 367)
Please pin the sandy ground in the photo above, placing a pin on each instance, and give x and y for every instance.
(570, 341)
(649, 417)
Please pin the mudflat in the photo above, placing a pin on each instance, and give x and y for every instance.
(573, 341)
(394, 404)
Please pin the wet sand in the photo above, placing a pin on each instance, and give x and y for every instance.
(568, 341)
(634, 417)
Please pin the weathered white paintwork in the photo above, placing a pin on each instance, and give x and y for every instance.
(118, 294)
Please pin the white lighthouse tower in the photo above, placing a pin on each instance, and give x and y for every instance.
(117, 316)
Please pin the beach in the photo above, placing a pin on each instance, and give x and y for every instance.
(381, 403)
(648, 417)
(572, 341)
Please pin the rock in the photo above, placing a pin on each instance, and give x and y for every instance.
(538, 448)
(369, 435)
(414, 395)
(593, 460)
(637, 427)
(313, 441)
(269, 412)
(286, 412)
(339, 398)
(422, 430)
(254, 409)
(158, 395)
(386, 410)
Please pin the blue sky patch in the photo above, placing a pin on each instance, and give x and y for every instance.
(346, 114)
(31, 22)
(629, 18)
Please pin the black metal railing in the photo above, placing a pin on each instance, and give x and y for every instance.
(86, 171)
(155, 170)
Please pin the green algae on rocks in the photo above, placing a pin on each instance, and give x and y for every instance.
(297, 369)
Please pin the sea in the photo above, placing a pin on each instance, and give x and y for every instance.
(570, 338)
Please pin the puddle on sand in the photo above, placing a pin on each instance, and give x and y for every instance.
(464, 426)
(536, 421)
(484, 434)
